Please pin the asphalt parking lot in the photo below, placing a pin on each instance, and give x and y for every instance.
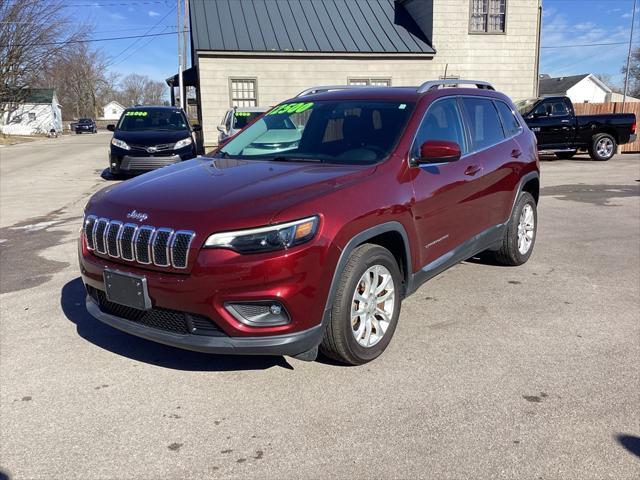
(494, 372)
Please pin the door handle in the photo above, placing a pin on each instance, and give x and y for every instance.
(566, 121)
(471, 170)
(515, 153)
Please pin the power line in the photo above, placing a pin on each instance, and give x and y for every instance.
(145, 33)
(587, 45)
(95, 39)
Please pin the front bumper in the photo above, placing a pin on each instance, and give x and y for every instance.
(128, 164)
(123, 161)
(291, 344)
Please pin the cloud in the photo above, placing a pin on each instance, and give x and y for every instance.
(153, 14)
(556, 31)
(626, 15)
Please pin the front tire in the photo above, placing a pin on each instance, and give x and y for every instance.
(366, 308)
(603, 147)
(520, 233)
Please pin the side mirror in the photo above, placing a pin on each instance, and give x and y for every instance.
(439, 151)
(197, 128)
(111, 128)
(222, 129)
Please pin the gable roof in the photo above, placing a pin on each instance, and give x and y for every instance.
(113, 101)
(30, 95)
(306, 26)
(559, 85)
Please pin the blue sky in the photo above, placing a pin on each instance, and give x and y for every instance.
(565, 22)
(153, 56)
(577, 22)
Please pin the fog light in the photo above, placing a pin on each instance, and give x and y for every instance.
(275, 309)
(259, 314)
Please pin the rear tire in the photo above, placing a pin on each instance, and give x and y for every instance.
(520, 233)
(565, 155)
(603, 147)
(370, 283)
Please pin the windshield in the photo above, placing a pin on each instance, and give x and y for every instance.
(350, 132)
(84, 120)
(152, 119)
(242, 119)
(524, 106)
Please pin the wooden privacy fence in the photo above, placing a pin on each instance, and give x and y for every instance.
(616, 107)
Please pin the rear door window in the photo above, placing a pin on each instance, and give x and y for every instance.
(484, 123)
(510, 123)
(441, 122)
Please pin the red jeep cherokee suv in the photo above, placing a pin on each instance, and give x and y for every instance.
(308, 228)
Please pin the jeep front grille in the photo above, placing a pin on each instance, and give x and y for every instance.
(163, 247)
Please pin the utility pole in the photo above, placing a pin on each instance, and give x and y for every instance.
(185, 41)
(626, 77)
(179, 35)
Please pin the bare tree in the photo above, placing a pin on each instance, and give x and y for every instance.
(607, 79)
(32, 34)
(155, 92)
(132, 89)
(138, 89)
(81, 81)
(634, 74)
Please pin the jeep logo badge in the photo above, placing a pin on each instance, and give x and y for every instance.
(135, 215)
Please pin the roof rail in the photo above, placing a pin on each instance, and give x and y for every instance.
(329, 88)
(435, 84)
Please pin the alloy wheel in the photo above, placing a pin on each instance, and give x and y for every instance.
(526, 229)
(372, 305)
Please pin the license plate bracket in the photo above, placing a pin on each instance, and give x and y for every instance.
(126, 289)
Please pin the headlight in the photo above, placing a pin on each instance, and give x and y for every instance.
(120, 144)
(182, 143)
(266, 239)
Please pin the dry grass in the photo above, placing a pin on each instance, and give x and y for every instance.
(14, 139)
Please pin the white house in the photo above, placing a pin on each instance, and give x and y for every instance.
(586, 88)
(31, 112)
(112, 111)
(257, 53)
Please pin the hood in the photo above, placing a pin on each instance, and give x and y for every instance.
(147, 138)
(208, 195)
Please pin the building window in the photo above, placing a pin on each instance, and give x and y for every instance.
(114, 111)
(32, 116)
(373, 82)
(488, 16)
(243, 92)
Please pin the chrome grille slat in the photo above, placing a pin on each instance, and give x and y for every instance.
(125, 241)
(180, 248)
(144, 244)
(89, 224)
(111, 237)
(99, 233)
(160, 247)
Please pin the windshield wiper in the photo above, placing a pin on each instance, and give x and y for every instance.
(292, 159)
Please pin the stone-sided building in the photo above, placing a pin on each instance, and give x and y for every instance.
(260, 52)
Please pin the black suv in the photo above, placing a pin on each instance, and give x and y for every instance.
(87, 125)
(146, 138)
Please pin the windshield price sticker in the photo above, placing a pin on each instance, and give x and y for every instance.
(136, 114)
(291, 108)
(243, 114)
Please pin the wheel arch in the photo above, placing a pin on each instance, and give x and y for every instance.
(390, 235)
(608, 131)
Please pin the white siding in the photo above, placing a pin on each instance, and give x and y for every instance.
(112, 111)
(587, 90)
(507, 60)
(47, 117)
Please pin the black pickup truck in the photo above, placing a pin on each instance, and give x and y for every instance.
(560, 131)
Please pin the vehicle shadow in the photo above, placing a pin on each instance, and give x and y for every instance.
(72, 301)
(631, 443)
